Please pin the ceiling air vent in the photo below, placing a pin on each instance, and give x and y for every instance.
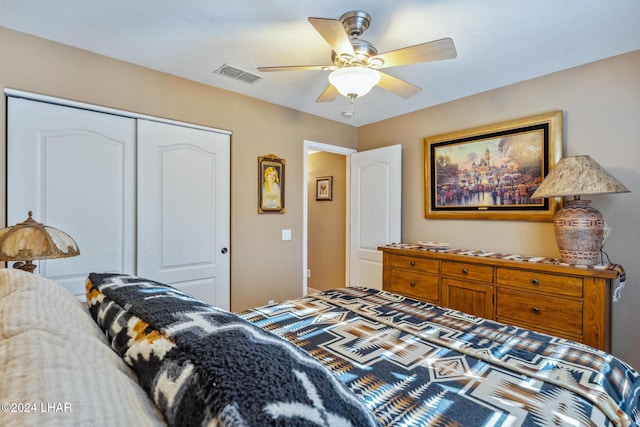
(237, 74)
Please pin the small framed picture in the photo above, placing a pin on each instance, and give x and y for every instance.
(324, 188)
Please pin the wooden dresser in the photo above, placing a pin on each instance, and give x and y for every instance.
(560, 300)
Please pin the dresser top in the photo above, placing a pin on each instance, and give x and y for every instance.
(538, 263)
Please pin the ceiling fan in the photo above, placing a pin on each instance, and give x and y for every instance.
(356, 63)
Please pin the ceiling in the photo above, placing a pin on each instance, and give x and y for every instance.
(498, 42)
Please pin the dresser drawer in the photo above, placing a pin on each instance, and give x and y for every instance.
(424, 265)
(540, 282)
(546, 313)
(421, 286)
(466, 271)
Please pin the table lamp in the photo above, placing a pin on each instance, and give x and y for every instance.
(579, 227)
(31, 240)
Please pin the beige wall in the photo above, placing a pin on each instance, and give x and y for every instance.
(601, 104)
(263, 267)
(327, 223)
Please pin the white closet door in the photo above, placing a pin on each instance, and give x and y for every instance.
(183, 209)
(75, 170)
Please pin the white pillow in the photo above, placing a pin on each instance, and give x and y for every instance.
(29, 301)
(56, 364)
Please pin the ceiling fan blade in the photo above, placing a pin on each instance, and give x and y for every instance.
(296, 68)
(431, 51)
(333, 32)
(397, 86)
(329, 94)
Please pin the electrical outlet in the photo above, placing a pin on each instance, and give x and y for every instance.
(271, 302)
(308, 272)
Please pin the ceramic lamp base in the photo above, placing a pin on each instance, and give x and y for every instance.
(579, 230)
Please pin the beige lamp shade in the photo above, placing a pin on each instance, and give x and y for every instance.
(575, 176)
(31, 240)
(579, 228)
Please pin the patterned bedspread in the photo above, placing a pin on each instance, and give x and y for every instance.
(414, 364)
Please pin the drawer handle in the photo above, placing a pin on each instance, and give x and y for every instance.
(536, 310)
(412, 263)
(412, 284)
(465, 271)
(535, 281)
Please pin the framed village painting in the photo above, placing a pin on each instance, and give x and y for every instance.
(490, 172)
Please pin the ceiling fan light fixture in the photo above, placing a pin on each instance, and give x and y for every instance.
(353, 82)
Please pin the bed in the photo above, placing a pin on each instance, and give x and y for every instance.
(142, 353)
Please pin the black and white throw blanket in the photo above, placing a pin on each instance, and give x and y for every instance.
(206, 366)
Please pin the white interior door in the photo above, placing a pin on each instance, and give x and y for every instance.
(75, 170)
(376, 188)
(183, 209)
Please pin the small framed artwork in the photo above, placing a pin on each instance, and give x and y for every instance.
(490, 172)
(324, 188)
(270, 184)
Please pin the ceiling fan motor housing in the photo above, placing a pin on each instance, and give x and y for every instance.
(355, 22)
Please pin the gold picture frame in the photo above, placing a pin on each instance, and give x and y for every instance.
(271, 184)
(490, 172)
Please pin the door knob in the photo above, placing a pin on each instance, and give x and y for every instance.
(224, 250)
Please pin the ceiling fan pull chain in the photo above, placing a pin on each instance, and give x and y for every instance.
(351, 111)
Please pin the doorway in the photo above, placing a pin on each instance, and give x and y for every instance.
(311, 148)
(373, 212)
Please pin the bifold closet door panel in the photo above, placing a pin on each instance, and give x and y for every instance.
(75, 169)
(183, 209)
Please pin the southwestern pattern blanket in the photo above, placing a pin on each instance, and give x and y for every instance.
(415, 363)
